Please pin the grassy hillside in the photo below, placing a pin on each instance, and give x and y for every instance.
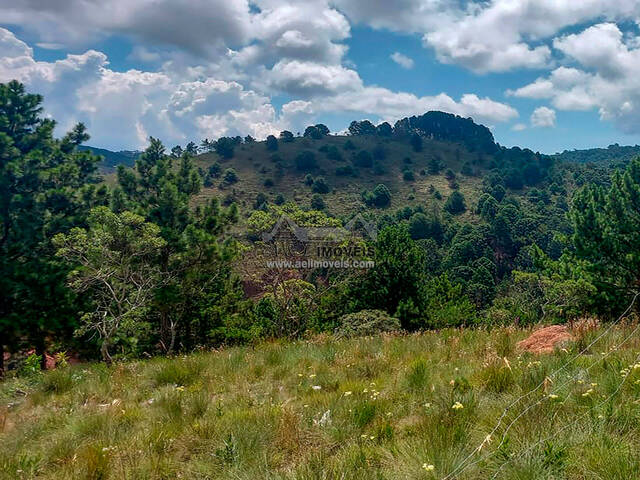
(383, 407)
(254, 164)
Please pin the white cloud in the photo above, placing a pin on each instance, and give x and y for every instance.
(607, 76)
(543, 117)
(179, 102)
(402, 60)
(487, 35)
(204, 27)
(518, 127)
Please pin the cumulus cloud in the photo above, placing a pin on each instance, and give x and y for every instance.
(402, 60)
(487, 36)
(543, 117)
(178, 103)
(606, 78)
(205, 27)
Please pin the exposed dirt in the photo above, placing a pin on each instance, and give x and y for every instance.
(546, 339)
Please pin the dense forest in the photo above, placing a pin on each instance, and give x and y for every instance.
(152, 259)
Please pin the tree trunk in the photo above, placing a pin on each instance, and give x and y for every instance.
(104, 351)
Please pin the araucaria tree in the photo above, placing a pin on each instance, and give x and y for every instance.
(115, 259)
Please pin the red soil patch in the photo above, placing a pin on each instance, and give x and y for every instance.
(546, 339)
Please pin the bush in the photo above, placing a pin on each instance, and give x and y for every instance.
(230, 176)
(317, 203)
(380, 197)
(455, 203)
(408, 176)
(320, 185)
(366, 322)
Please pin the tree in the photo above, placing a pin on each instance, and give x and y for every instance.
(230, 176)
(363, 159)
(191, 148)
(115, 262)
(272, 143)
(394, 283)
(364, 127)
(224, 147)
(286, 136)
(317, 202)
(455, 204)
(176, 152)
(434, 166)
(316, 131)
(380, 196)
(606, 222)
(198, 285)
(47, 186)
(320, 185)
(384, 130)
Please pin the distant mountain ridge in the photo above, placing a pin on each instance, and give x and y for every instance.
(613, 153)
(111, 159)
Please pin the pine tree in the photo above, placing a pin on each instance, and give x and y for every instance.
(46, 187)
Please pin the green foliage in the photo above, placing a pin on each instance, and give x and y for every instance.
(380, 197)
(607, 232)
(317, 202)
(286, 136)
(115, 263)
(47, 186)
(230, 176)
(455, 204)
(272, 143)
(320, 185)
(365, 323)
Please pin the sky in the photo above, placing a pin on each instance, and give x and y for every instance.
(544, 74)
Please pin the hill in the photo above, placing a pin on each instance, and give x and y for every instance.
(614, 154)
(379, 407)
(111, 159)
(421, 160)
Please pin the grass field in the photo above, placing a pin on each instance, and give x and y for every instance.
(391, 407)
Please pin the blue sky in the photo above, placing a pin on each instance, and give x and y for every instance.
(545, 75)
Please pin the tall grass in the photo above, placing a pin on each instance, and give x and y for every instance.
(381, 407)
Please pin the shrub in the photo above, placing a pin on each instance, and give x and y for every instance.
(320, 185)
(317, 203)
(308, 179)
(380, 197)
(268, 182)
(230, 176)
(366, 322)
(455, 203)
(408, 176)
